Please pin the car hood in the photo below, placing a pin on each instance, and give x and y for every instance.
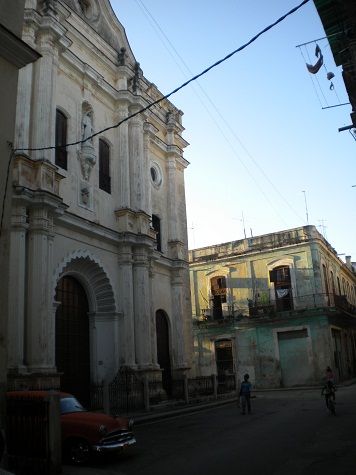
(94, 419)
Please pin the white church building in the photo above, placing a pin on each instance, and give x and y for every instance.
(99, 274)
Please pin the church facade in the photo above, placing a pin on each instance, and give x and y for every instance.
(99, 275)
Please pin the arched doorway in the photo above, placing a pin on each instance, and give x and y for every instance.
(72, 338)
(163, 354)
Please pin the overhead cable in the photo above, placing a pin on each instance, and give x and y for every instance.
(194, 78)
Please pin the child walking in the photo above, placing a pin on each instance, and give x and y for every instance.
(245, 394)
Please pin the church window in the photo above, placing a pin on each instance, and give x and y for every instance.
(61, 139)
(156, 224)
(156, 175)
(104, 166)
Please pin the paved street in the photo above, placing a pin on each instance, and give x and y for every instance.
(289, 433)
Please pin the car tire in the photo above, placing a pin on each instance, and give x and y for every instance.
(77, 451)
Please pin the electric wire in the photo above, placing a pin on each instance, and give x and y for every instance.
(6, 185)
(144, 109)
(222, 118)
(174, 91)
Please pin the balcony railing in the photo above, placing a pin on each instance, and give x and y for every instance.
(271, 307)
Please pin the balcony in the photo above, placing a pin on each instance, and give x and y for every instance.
(273, 308)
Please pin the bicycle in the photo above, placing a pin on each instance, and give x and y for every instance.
(330, 404)
(328, 392)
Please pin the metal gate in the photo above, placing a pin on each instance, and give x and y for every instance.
(126, 392)
(72, 339)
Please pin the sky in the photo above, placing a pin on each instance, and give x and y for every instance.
(265, 152)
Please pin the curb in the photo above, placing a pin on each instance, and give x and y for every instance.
(143, 418)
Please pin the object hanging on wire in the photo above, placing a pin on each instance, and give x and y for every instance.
(329, 76)
(314, 68)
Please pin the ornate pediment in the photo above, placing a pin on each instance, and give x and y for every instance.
(101, 17)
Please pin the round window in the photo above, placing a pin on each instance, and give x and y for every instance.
(156, 175)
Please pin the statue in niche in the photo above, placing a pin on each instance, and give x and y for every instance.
(87, 127)
(86, 154)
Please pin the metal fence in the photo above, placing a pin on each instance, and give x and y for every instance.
(201, 386)
(33, 436)
(128, 393)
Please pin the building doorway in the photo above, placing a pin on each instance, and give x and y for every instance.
(72, 338)
(163, 354)
(224, 359)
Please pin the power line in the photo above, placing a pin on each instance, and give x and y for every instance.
(156, 25)
(194, 78)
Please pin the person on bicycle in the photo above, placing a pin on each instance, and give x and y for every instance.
(328, 392)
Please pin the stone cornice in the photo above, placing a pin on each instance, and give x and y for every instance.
(102, 233)
(39, 198)
(14, 50)
(88, 228)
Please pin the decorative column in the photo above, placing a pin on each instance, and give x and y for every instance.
(16, 288)
(126, 292)
(50, 37)
(124, 158)
(24, 92)
(146, 199)
(153, 320)
(43, 104)
(177, 319)
(137, 179)
(172, 201)
(38, 311)
(142, 308)
(51, 319)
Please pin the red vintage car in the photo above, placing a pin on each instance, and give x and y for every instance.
(84, 432)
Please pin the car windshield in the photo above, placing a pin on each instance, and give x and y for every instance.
(70, 404)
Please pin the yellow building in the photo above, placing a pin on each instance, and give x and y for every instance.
(280, 306)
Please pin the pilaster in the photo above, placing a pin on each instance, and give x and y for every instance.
(50, 39)
(124, 158)
(172, 200)
(142, 307)
(38, 322)
(126, 292)
(178, 318)
(16, 289)
(137, 179)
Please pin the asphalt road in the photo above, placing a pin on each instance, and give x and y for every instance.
(288, 433)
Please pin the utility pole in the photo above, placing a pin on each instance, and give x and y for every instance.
(243, 223)
(306, 206)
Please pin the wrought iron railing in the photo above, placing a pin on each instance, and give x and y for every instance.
(127, 392)
(270, 307)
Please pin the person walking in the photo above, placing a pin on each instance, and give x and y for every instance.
(329, 376)
(245, 394)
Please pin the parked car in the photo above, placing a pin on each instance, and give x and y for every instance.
(84, 432)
